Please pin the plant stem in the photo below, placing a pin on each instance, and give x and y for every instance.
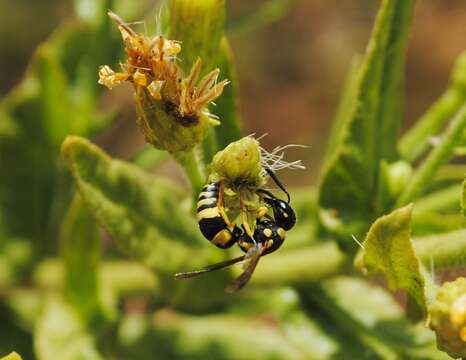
(415, 141)
(443, 250)
(444, 199)
(424, 175)
(194, 169)
(301, 266)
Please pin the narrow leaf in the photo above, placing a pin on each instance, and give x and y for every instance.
(149, 219)
(442, 250)
(80, 249)
(349, 180)
(416, 141)
(226, 107)
(437, 157)
(145, 214)
(463, 200)
(60, 334)
(371, 315)
(344, 108)
(199, 25)
(268, 12)
(388, 249)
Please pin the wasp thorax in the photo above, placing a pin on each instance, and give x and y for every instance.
(172, 109)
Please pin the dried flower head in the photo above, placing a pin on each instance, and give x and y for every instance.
(172, 109)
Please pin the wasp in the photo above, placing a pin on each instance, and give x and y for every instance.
(269, 231)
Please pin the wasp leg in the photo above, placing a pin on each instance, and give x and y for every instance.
(261, 212)
(221, 208)
(244, 220)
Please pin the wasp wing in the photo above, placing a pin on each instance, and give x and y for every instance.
(252, 256)
(213, 267)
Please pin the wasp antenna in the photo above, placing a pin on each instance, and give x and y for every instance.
(278, 182)
(210, 268)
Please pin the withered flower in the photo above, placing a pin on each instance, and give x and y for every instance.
(172, 109)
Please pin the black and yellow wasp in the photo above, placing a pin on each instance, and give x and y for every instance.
(268, 235)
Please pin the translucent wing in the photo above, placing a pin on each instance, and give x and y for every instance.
(213, 267)
(252, 257)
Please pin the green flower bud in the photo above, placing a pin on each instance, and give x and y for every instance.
(399, 174)
(239, 164)
(448, 318)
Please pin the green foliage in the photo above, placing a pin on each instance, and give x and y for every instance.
(373, 105)
(388, 249)
(89, 274)
(415, 142)
(80, 248)
(61, 334)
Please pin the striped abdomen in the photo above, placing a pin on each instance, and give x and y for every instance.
(211, 222)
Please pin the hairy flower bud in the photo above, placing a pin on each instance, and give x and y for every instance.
(172, 109)
(448, 318)
(240, 163)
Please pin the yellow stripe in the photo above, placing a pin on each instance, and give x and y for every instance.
(206, 202)
(222, 238)
(208, 213)
(207, 194)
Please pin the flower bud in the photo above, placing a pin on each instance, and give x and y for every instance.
(172, 109)
(240, 164)
(448, 318)
(399, 174)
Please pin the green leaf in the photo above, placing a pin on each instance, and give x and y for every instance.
(368, 315)
(226, 107)
(438, 156)
(144, 213)
(442, 250)
(219, 337)
(268, 12)
(53, 94)
(344, 108)
(57, 96)
(60, 334)
(463, 200)
(388, 249)
(150, 221)
(443, 200)
(149, 157)
(416, 141)
(80, 250)
(350, 177)
(92, 11)
(301, 266)
(199, 26)
(428, 223)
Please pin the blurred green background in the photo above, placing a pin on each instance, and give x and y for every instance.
(291, 67)
(292, 58)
